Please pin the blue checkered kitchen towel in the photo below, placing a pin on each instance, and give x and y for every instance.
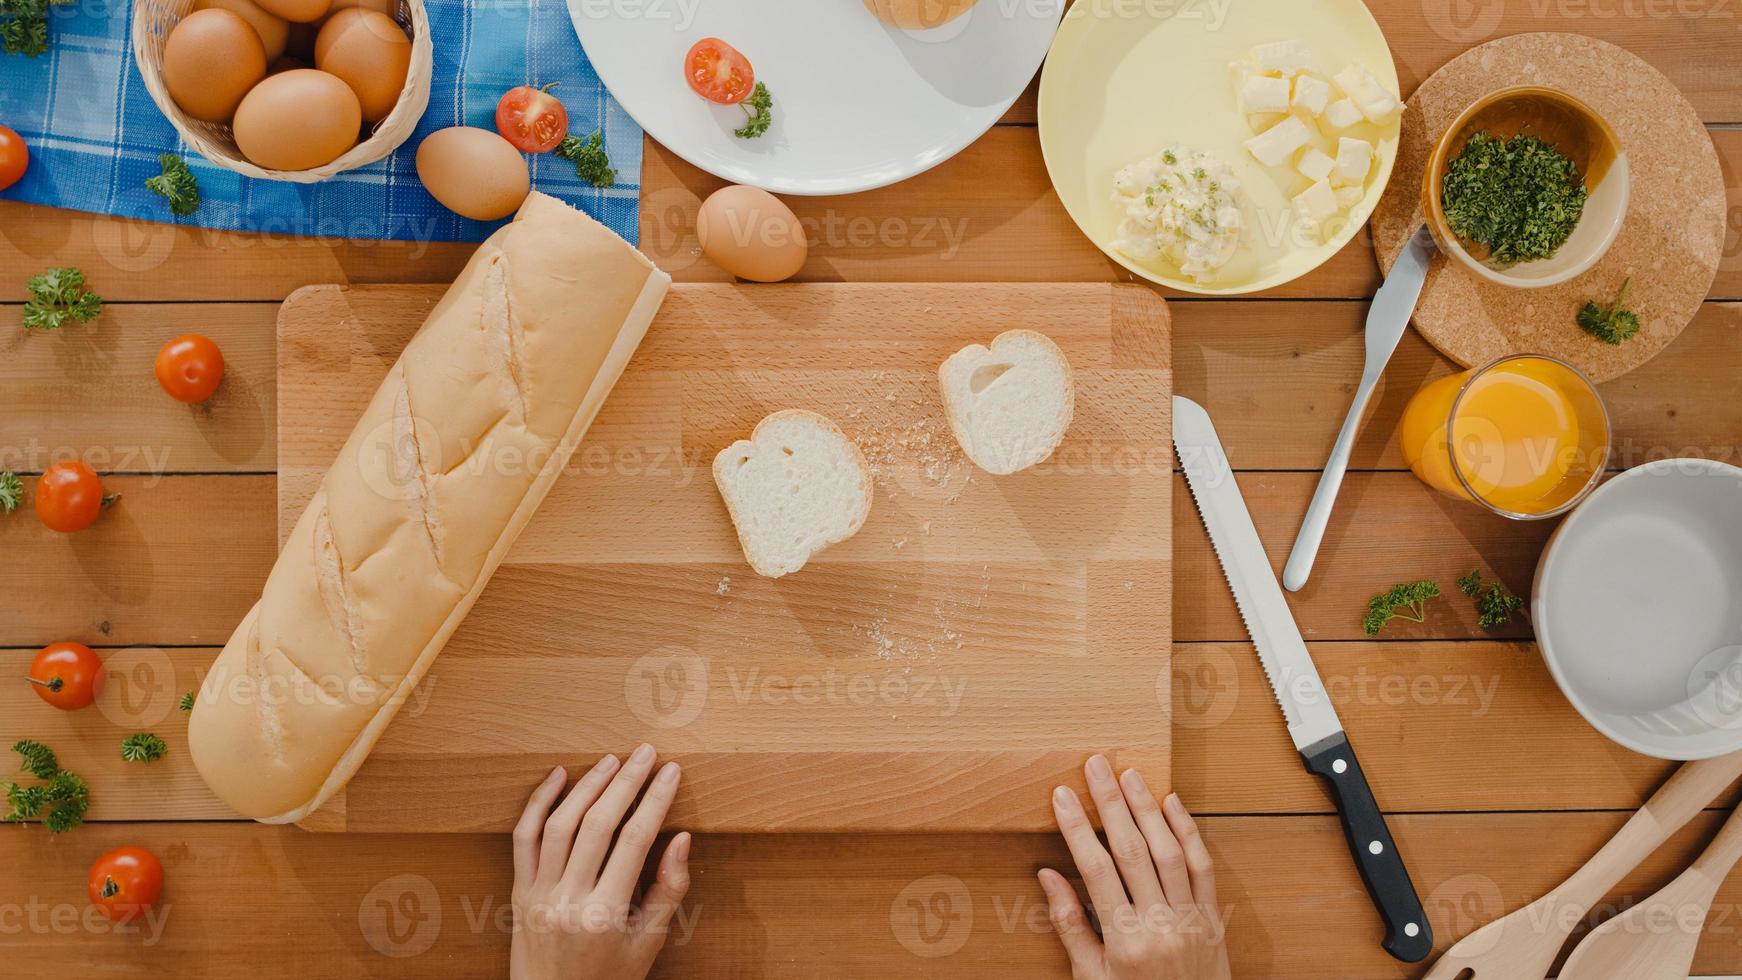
(95, 135)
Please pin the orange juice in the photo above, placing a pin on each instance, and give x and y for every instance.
(1526, 436)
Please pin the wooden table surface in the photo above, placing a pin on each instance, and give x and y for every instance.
(1495, 787)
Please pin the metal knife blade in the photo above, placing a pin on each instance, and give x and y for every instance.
(1387, 319)
(1312, 722)
(1287, 665)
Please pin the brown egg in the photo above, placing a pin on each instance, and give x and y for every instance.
(473, 172)
(298, 120)
(298, 11)
(751, 234)
(371, 53)
(273, 29)
(210, 61)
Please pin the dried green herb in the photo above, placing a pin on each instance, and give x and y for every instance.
(1519, 198)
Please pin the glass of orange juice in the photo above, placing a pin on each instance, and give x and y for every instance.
(1526, 436)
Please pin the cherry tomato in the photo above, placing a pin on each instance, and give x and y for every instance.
(532, 119)
(14, 158)
(67, 675)
(189, 368)
(718, 72)
(124, 883)
(68, 497)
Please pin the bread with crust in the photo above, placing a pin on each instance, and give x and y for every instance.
(459, 445)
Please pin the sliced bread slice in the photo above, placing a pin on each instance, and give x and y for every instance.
(796, 486)
(1009, 404)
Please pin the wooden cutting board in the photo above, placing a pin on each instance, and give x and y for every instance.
(942, 670)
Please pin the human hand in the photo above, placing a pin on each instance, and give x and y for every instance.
(573, 890)
(1155, 895)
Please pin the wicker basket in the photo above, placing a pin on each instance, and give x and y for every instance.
(154, 19)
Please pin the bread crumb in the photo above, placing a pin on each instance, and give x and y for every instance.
(900, 544)
(1129, 585)
(725, 586)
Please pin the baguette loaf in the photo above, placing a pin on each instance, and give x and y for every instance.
(459, 446)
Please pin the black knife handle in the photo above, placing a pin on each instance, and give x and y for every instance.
(1407, 933)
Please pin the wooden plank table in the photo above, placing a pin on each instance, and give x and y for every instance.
(1497, 789)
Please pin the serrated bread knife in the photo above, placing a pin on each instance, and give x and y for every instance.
(1312, 721)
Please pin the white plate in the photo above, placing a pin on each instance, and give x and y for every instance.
(1638, 608)
(1125, 79)
(857, 104)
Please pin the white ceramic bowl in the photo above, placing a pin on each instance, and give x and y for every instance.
(1638, 608)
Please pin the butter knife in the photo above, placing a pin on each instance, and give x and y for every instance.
(1387, 319)
(1312, 721)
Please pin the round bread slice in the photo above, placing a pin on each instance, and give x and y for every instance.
(1009, 404)
(795, 487)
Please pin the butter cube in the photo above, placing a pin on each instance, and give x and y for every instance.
(1369, 96)
(1261, 93)
(1315, 164)
(1348, 197)
(1274, 146)
(1317, 202)
(1311, 94)
(1342, 114)
(1354, 159)
(1285, 57)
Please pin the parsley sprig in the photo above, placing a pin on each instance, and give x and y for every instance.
(591, 162)
(58, 297)
(60, 799)
(1495, 604)
(187, 702)
(11, 492)
(143, 747)
(24, 26)
(1611, 324)
(176, 184)
(1405, 600)
(760, 108)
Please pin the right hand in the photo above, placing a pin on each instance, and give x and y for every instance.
(574, 914)
(1155, 895)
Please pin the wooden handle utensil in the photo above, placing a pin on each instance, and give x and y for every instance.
(1656, 939)
(1523, 945)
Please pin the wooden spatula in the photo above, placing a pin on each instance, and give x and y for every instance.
(1635, 945)
(1523, 945)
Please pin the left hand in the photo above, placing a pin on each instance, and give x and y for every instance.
(574, 914)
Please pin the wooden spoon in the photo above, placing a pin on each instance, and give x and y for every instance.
(1524, 944)
(1656, 939)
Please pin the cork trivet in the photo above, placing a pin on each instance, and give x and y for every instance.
(1670, 242)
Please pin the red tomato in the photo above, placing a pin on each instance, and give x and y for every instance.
(532, 119)
(14, 158)
(68, 497)
(124, 883)
(67, 675)
(189, 368)
(718, 72)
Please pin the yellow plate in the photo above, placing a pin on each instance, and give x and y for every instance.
(1127, 77)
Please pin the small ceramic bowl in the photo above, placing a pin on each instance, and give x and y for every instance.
(1571, 127)
(1636, 608)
